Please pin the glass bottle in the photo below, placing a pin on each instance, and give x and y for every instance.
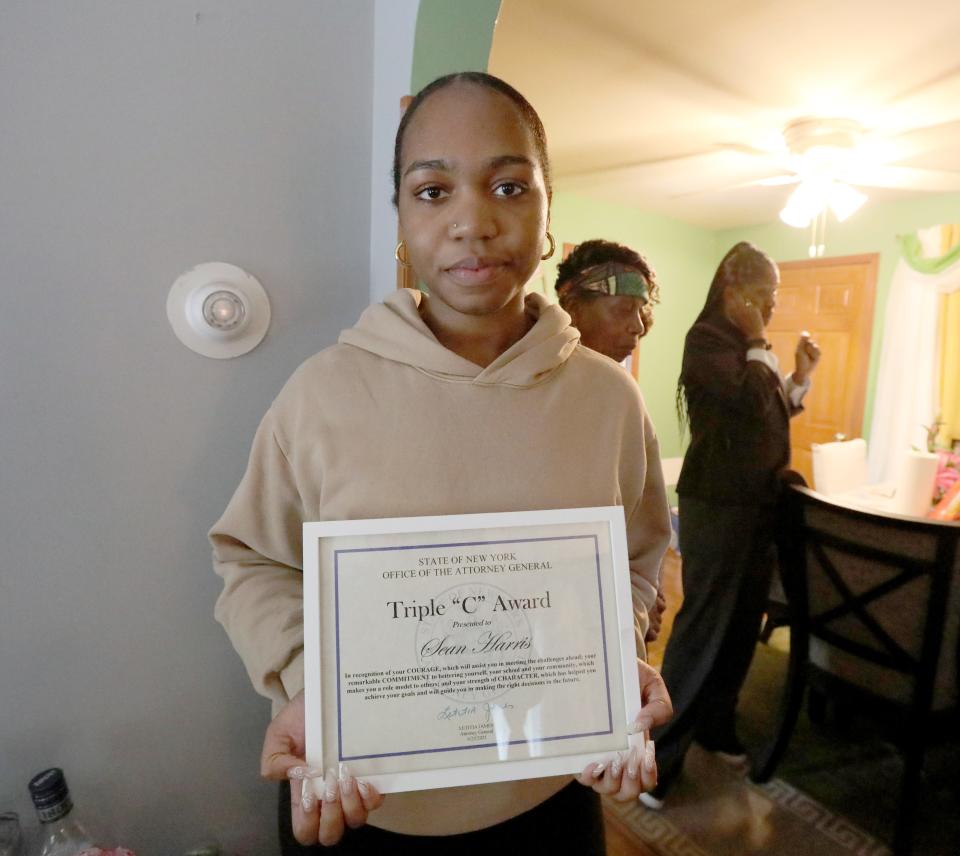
(11, 836)
(61, 833)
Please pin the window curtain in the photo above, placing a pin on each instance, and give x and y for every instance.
(949, 346)
(912, 391)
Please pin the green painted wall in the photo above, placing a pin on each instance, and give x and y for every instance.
(684, 258)
(452, 35)
(873, 229)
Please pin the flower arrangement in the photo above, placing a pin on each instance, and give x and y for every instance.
(946, 491)
(948, 467)
(948, 472)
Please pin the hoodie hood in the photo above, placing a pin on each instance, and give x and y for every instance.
(395, 331)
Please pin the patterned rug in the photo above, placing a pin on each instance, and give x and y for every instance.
(835, 792)
(712, 811)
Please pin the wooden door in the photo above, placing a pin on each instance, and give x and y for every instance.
(833, 299)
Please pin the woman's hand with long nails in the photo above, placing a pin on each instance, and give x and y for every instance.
(625, 776)
(342, 801)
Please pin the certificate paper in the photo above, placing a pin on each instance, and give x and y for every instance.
(443, 651)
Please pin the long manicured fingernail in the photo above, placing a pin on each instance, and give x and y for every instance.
(650, 757)
(308, 801)
(330, 788)
(616, 765)
(633, 762)
(640, 724)
(347, 781)
(304, 773)
(598, 770)
(364, 788)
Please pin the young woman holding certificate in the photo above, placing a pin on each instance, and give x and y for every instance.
(466, 397)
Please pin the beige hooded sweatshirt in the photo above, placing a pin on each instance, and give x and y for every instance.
(389, 423)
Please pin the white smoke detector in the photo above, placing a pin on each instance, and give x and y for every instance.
(218, 310)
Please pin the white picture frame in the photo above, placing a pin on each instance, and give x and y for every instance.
(454, 650)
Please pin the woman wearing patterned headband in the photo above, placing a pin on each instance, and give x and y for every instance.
(609, 291)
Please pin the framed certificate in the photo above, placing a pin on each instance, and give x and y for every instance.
(444, 651)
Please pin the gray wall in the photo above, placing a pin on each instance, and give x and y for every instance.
(394, 32)
(139, 139)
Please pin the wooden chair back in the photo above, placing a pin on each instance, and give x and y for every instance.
(874, 604)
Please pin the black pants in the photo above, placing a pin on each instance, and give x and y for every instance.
(728, 556)
(570, 822)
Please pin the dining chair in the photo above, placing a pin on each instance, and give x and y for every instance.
(875, 619)
(777, 612)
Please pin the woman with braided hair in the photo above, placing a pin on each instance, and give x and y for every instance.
(738, 407)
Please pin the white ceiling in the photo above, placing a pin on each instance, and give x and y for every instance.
(656, 104)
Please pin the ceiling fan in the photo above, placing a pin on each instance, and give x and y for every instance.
(829, 158)
(833, 160)
(842, 148)
(856, 155)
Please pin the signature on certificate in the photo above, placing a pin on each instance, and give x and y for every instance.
(484, 709)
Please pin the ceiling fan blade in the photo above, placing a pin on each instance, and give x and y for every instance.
(940, 87)
(669, 161)
(746, 149)
(903, 178)
(723, 167)
(930, 138)
(771, 181)
(775, 181)
(720, 156)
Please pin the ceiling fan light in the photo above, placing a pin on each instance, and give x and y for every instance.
(793, 216)
(804, 204)
(845, 200)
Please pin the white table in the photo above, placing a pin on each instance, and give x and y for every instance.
(872, 497)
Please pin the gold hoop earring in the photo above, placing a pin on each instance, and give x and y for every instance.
(552, 250)
(400, 254)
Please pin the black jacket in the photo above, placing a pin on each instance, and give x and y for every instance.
(739, 419)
